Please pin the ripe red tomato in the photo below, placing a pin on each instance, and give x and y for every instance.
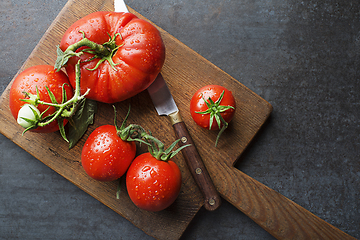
(39, 76)
(152, 184)
(105, 157)
(139, 58)
(197, 104)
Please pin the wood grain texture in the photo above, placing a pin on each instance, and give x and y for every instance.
(278, 215)
(185, 71)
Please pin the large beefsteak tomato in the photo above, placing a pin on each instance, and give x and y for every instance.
(137, 56)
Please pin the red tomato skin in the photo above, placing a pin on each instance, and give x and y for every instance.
(197, 104)
(139, 59)
(105, 156)
(153, 185)
(40, 76)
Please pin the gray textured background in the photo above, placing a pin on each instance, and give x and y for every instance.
(301, 56)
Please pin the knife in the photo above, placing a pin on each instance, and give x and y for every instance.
(165, 106)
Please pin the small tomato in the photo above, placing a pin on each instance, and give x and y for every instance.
(213, 107)
(207, 103)
(105, 156)
(152, 184)
(40, 77)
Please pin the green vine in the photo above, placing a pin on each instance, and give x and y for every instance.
(65, 109)
(134, 132)
(104, 52)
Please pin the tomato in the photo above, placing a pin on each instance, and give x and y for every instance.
(204, 116)
(39, 76)
(137, 61)
(152, 184)
(105, 157)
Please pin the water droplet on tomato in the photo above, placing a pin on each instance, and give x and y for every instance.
(153, 173)
(146, 168)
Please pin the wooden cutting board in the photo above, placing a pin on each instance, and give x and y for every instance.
(185, 71)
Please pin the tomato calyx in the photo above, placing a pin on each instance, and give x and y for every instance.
(65, 109)
(104, 52)
(156, 148)
(215, 110)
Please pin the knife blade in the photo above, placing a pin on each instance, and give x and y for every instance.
(120, 6)
(165, 105)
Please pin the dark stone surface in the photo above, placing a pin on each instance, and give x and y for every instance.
(301, 56)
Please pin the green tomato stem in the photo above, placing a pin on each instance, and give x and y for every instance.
(103, 51)
(72, 103)
(98, 48)
(156, 148)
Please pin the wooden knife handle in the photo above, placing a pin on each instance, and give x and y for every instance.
(278, 215)
(196, 165)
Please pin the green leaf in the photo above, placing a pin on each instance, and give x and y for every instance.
(61, 59)
(64, 96)
(51, 95)
(60, 122)
(167, 151)
(79, 122)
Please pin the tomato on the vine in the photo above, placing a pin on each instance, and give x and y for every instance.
(152, 184)
(105, 156)
(121, 55)
(39, 77)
